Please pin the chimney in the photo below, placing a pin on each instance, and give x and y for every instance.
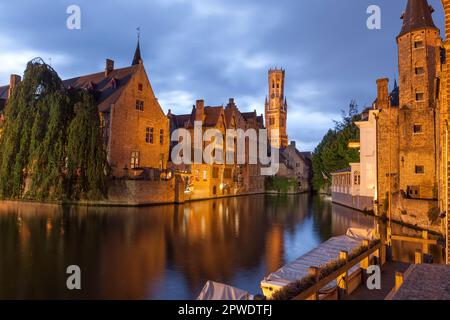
(382, 93)
(14, 81)
(199, 110)
(109, 68)
(293, 144)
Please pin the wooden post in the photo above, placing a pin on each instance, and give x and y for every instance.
(315, 273)
(425, 245)
(365, 263)
(399, 278)
(418, 259)
(342, 280)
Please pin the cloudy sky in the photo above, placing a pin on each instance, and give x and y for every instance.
(217, 49)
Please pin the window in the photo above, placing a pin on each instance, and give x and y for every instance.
(149, 135)
(140, 87)
(205, 175)
(417, 128)
(134, 159)
(197, 175)
(140, 105)
(161, 136)
(420, 70)
(420, 170)
(418, 44)
(357, 178)
(227, 173)
(419, 96)
(413, 192)
(215, 173)
(272, 121)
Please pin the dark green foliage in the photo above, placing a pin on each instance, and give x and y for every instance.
(333, 152)
(35, 141)
(87, 166)
(281, 184)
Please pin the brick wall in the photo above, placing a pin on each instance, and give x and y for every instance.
(128, 127)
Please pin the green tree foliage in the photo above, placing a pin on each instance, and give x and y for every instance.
(333, 152)
(37, 144)
(87, 166)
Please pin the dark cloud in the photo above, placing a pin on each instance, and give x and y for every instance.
(217, 49)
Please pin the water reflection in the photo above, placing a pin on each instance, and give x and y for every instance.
(165, 252)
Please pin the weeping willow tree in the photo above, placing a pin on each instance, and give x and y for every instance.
(37, 146)
(87, 166)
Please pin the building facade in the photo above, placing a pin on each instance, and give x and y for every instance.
(219, 179)
(407, 135)
(135, 128)
(276, 110)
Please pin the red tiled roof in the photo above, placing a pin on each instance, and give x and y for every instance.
(107, 89)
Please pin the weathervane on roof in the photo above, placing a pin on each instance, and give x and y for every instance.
(138, 29)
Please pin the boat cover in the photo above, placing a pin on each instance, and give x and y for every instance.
(359, 233)
(321, 255)
(218, 291)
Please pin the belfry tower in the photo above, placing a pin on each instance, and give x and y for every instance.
(276, 110)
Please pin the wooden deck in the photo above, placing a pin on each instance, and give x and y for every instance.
(387, 283)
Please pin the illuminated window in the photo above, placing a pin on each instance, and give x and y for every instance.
(215, 173)
(134, 159)
(227, 173)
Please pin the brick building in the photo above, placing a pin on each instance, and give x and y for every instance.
(217, 180)
(407, 133)
(276, 109)
(296, 164)
(444, 96)
(136, 130)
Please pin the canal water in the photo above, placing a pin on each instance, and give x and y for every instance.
(166, 252)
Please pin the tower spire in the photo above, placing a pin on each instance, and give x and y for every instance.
(137, 54)
(417, 16)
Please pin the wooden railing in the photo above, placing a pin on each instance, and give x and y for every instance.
(341, 274)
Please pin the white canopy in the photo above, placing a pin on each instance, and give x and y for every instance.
(218, 291)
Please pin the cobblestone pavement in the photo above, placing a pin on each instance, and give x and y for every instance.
(425, 282)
